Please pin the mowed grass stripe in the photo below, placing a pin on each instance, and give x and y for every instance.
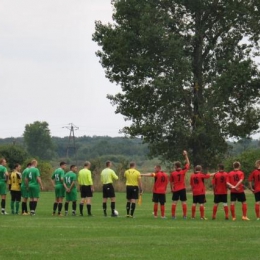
(45, 236)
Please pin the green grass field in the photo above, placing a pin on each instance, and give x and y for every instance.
(46, 237)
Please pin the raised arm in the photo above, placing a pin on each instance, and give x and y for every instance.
(185, 154)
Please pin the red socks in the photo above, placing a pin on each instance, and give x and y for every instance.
(244, 209)
(155, 209)
(257, 208)
(184, 210)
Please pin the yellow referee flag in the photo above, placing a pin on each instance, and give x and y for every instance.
(140, 199)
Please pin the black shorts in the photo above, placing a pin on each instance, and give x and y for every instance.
(85, 191)
(220, 198)
(241, 197)
(179, 195)
(201, 199)
(132, 192)
(108, 191)
(16, 195)
(159, 198)
(257, 196)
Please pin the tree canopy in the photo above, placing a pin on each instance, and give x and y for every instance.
(187, 72)
(38, 140)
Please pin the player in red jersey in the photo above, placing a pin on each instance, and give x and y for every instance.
(161, 180)
(254, 185)
(235, 179)
(198, 191)
(219, 182)
(177, 182)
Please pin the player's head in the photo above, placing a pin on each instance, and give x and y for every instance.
(17, 167)
(157, 168)
(198, 168)
(63, 165)
(221, 167)
(73, 168)
(108, 164)
(132, 164)
(177, 165)
(3, 161)
(29, 165)
(87, 164)
(257, 164)
(236, 165)
(34, 163)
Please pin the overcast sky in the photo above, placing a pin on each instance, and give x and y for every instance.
(49, 70)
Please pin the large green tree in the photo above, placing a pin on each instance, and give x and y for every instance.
(187, 72)
(38, 141)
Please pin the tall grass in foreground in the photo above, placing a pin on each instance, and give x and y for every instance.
(47, 237)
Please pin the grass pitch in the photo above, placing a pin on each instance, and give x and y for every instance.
(47, 237)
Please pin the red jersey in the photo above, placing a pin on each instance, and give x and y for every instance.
(233, 178)
(219, 182)
(255, 178)
(160, 182)
(177, 178)
(197, 183)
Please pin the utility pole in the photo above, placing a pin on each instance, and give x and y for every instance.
(71, 142)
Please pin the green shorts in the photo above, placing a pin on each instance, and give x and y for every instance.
(2, 188)
(34, 191)
(71, 196)
(59, 191)
(24, 191)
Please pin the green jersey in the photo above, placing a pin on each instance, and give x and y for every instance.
(3, 171)
(69, 178)
(32, 175)
(58, 176)
(24, 175)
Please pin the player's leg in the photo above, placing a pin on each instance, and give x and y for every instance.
(225, 205)
(242, 199)
(202, 211)
(12, 201)
(3, 197)
(134, 197)
(193, 207)
(128, 201)
(81, 205)
(74, 207)
(88, 200)
(113, 201)
(56, 200)
(257, 205)
(155, 205)
(17, 201)
(215, 206)
(105, 196)
(174, 204)
(60, 200)
(66, 206)
(183, 198)
(162, 205)
(233, 199)
(24, 200)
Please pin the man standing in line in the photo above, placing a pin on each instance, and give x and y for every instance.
(15, 188)
(3, 179)
(161, 180)
(24, 191)
(33, 184)
(235, 179)
(57, 179)
(254, 185)
(86, 188)
(107, 177)
(178, 187)
(71, 189)
(219, 182)
(133, 185)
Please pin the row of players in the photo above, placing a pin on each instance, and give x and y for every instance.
(28, 185)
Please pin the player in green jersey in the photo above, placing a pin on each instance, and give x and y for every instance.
(33, 185)
(71, 189)
(3, 180)
(24, 191)
(57, 179)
